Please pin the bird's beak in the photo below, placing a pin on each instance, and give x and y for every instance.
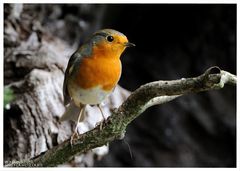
(128, 44)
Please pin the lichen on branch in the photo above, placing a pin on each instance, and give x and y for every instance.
(147, 95)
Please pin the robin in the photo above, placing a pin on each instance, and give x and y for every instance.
(92, 73)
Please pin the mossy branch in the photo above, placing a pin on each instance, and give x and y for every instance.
(147, 95)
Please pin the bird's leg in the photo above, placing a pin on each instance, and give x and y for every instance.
(75, 133)
(101, 123)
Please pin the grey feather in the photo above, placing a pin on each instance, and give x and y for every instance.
(66, 95)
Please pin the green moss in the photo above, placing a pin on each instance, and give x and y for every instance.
(8, 95)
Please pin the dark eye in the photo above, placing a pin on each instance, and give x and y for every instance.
(110, 38)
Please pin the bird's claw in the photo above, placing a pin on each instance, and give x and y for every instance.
(74, 136)
(101, 124)
(114, 110)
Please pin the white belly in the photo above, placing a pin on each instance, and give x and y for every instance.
(90, 96)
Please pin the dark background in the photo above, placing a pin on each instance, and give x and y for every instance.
(173, 41)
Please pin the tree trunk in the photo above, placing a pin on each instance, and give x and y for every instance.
(35, 62)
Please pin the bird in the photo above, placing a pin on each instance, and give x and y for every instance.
(92, 73)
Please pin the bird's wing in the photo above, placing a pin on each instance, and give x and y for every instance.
(71, 61)
(84, 51)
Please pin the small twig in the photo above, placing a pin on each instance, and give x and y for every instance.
(159, 100)
(144, 97)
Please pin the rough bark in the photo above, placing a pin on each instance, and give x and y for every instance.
(34, 65)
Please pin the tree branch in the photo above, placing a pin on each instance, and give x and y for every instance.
(147, 95)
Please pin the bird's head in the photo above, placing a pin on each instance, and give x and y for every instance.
(109, 43)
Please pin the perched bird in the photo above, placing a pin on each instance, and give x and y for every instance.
(92, 73)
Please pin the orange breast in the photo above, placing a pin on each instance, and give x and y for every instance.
(99, 71)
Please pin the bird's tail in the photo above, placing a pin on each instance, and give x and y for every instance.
(71, 113)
